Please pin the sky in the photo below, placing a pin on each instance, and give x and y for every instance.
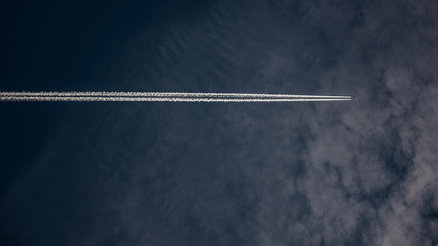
(323, 173)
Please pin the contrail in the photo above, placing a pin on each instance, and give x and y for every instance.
(104, 96)
(159, 94)
(167, 99)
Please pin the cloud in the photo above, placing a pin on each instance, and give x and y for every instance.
(380, 153)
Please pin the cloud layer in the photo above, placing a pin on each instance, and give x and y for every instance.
(359, 173)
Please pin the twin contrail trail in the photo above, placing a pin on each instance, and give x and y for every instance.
(104, 96)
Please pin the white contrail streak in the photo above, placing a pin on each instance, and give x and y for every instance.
(163, 97)
(167, 99)
(160, 94)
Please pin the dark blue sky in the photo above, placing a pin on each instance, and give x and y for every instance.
(350, 173)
